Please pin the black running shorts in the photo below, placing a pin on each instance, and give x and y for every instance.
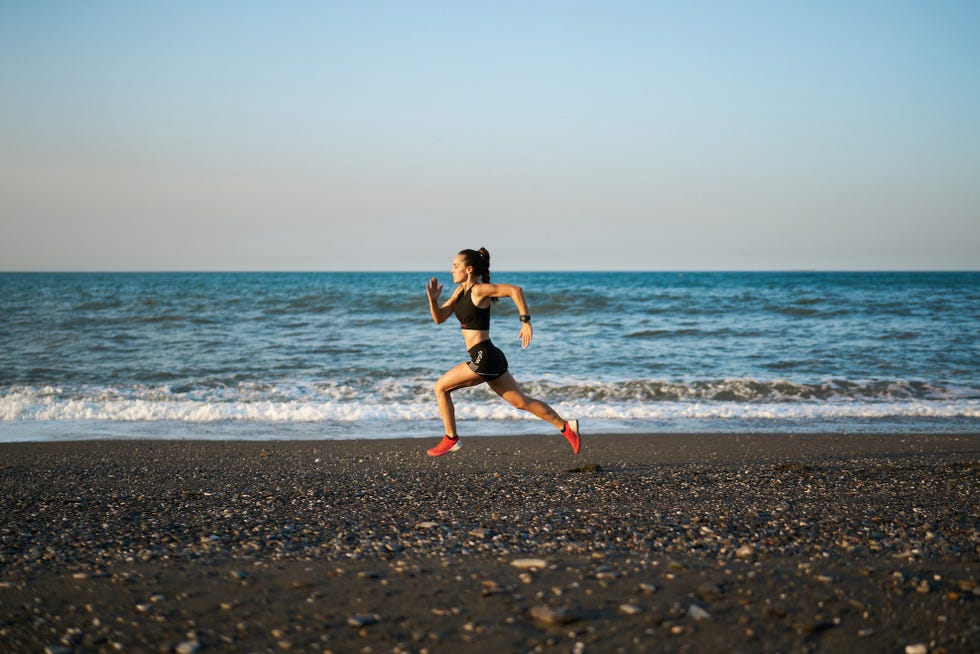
(487, 360)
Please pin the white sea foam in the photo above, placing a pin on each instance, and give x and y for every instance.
(415, 403)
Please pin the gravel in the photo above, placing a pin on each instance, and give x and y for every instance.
(642, 543)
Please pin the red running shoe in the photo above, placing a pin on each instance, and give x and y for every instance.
(445, 445)
(570, 432)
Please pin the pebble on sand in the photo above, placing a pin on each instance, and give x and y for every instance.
(698, 613)
(528, 564)
(363, 620)
(188, 647)
(550, 615)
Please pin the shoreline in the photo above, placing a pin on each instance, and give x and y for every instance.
(726, 443)
(652, 542)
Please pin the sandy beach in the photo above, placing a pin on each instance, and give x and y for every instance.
(659, 543)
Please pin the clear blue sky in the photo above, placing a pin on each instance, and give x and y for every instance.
(561, 135)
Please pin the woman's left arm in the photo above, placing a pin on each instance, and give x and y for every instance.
(516, 293)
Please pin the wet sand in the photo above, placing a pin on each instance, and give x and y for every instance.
(836, 543)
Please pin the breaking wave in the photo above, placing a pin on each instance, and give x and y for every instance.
(411, 400)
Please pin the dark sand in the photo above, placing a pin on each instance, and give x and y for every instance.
(834, 543)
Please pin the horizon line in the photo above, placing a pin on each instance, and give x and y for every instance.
(297, 271)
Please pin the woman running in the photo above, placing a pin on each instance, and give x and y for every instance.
(471, 303)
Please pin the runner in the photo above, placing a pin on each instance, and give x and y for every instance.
(471, 303)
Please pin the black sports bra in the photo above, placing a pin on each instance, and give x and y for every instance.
(469, 315)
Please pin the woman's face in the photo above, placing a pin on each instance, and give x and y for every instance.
(460, 271)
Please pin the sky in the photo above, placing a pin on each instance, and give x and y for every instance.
(568, 135)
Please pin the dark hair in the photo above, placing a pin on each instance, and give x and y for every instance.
(480, 261)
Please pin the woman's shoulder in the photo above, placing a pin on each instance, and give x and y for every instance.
(483, 291)
(493, 290)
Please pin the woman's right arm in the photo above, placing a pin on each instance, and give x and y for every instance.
(439, 313)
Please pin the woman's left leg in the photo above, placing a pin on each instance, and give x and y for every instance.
(455, 378)
(507, 387)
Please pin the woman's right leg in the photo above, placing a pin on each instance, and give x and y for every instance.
(507, 387)
(457, 377)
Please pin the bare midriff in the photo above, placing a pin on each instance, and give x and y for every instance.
(475, 336)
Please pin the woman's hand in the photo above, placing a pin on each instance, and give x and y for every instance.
(526, 334)
(434, 289)
(439, 313)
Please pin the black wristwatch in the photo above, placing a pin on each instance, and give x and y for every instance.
(525, 318)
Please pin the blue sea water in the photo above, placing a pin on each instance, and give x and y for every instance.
(354, 355)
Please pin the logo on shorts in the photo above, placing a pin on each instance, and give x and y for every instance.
(479, 357)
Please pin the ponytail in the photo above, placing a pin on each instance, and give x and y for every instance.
(485, 258)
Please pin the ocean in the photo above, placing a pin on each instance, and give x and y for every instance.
(354, 355)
